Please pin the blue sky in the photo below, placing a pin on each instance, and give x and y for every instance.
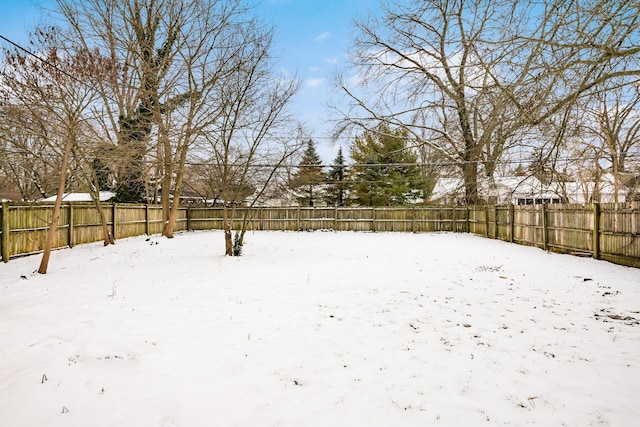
(312, 39)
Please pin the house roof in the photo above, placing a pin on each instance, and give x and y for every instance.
(10, 196)
(81, 197)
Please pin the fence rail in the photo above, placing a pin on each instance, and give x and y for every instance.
(603, 231)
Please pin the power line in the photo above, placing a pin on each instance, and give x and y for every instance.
(283, 166)
(631, 156)
(28, 52)
(55, 67)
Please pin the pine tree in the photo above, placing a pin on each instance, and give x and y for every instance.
(337, 180)
(393, 178)
(309, 176)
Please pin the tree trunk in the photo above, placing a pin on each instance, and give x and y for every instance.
(470, 156)
(93, 184)
(597, 182)
(169, 212)
(165, 201)
(228, 241)
(166, 189)
(44, 263)
(108, 237)
(616, 182)
(470, 175)
(173, 215)
(230, 223)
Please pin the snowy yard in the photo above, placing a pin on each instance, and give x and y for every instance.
(318, 329)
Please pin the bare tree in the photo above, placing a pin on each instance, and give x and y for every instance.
(210, 55)
(612, 123)
(426, 62)
(84, 170)
(469, 77)
(28, 162)
(254, 134)
(135, 40)
(170, 56)
(52, 92)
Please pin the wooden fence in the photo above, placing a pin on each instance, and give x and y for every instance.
(603, 231)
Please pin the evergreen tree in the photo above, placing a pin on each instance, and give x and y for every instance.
(308, 177)
(393, 178)
(337, 180)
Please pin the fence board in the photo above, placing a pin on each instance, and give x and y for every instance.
(285, 219)
(614, 228)
(478, 220)
(4, 231)
(503, 223)
(570, 228)
(317, 218)
(620, 232)
(355, 219)
(87, 227)
(205, 219)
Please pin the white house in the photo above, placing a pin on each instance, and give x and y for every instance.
(528, 190)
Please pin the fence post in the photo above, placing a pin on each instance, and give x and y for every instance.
(188, 218)
(466, 219)
(299, 219)
(261, 219)
(114, 211)
(413, 219)
(71, 225)
(512, 221)
(373, 219)
(335, 219)
(495, 221)
(5, 231)
(545, 233)
(596, 230)
(146, 219)
(486, 221)
(454, 216)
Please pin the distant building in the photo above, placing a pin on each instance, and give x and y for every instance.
(105, 196)
(9, 196)
(528, 190)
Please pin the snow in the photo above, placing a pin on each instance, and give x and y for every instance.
(82, 197)
(318, 329)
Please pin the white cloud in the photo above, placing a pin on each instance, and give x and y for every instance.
(322, 37)
(331, 60)
(314, 82)
(356, 80)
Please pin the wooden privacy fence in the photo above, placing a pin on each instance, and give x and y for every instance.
(24, 226)
(603, 231)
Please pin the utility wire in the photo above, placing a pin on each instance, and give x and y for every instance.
(44, 61)
(281, 166)
(55, 67)
(560, 160)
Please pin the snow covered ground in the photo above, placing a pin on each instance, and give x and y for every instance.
(318, 329)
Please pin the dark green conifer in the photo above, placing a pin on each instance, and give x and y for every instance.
(308, 177)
